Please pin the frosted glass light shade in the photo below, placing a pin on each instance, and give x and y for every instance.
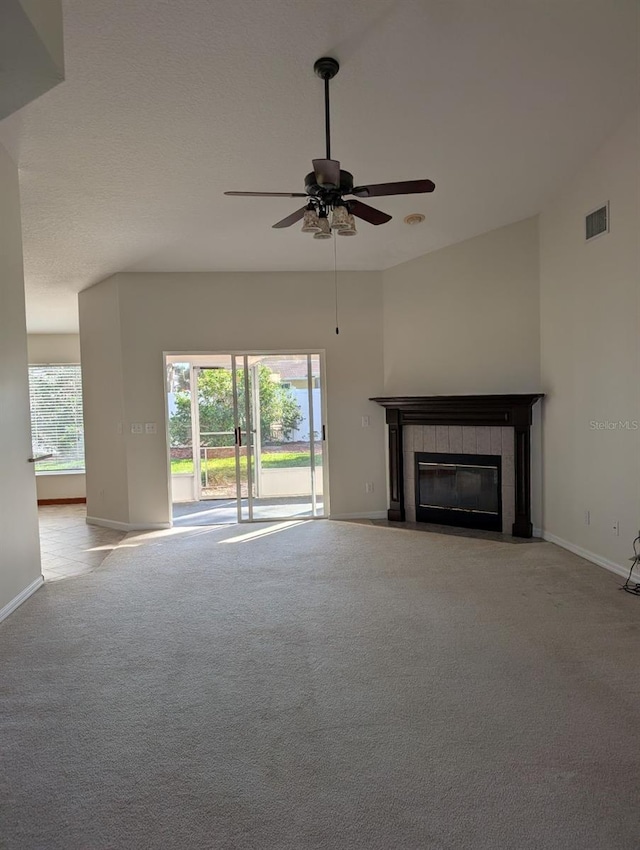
(350, 229)
(340, 218)
(310, 222)
(325, 230)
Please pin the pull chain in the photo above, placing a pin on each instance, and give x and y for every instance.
(335, 274)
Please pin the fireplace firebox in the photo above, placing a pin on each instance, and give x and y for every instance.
(459, 489)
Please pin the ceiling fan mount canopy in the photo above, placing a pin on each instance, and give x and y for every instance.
(327, 185)
(326, 67)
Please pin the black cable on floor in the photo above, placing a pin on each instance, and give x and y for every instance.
(635, 562)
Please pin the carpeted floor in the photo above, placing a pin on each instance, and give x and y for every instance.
(323, 685)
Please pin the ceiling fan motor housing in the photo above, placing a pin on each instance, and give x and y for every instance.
(328, 196)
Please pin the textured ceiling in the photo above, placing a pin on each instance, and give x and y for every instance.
(167, 104)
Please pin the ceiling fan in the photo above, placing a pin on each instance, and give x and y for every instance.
(327, 185)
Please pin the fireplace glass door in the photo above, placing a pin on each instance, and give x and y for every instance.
(462, 490)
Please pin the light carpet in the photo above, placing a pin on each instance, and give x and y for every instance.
(323, 685)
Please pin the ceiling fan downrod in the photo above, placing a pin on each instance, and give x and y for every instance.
(326, 68)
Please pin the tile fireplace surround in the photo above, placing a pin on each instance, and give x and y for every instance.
(488, 424)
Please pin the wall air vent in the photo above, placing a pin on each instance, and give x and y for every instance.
(597, 222)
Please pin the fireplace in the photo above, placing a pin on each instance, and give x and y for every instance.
(495, 425)
(459, 489)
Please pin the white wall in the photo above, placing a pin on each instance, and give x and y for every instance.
(44, 349)
(159, 313)
(465, 319)
(590, 331)
(20, 546)
(32, 49)
(46, 19)
(103, 407)
(59, 486)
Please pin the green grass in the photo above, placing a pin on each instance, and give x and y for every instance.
(181, 467)
(288, 459)
(58, 466)
(225, 467)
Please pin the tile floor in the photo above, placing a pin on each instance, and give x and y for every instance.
(68, 545)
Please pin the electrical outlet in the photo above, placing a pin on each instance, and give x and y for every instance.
(616, 528)
(368, 487)
(587, 517)
(365, 421)
(150, 428)
(136, 428)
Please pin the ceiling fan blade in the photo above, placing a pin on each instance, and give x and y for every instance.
(327, 173)
(290, 219)
(269, 194)
(408, 187)
(370, 214)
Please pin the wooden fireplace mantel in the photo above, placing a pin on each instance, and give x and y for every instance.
(513, 411)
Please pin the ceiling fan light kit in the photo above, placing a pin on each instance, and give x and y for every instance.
(350, 229)
(325, 231)
(340, 217)
(327, 185)
(310, 221)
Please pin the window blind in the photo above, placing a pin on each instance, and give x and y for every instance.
(55, 394)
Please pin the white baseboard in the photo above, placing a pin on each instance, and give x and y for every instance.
(365, 515)
(10, 607)
(538, 532)
(127, 526)
(588, 556)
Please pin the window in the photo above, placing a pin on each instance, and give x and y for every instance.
(55, 394)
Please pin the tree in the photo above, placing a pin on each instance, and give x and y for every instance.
(280, 413)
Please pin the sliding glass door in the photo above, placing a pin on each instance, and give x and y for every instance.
(279, 436)
(247, 435)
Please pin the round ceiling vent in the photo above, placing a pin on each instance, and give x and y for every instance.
(414, 218)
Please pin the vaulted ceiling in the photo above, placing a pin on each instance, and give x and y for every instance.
(168, 104)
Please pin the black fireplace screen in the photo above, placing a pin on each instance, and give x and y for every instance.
(459, 489)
